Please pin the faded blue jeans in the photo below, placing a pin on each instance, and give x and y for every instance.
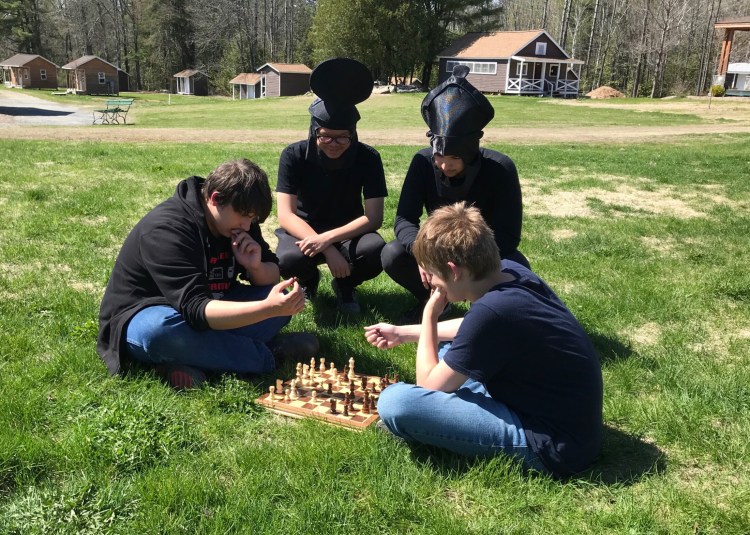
(468, 421)
(159, 335)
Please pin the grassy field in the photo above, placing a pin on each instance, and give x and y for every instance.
(379, 112)
(646, 243)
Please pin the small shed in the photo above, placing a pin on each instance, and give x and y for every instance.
(192, 82)
(29, 71)
(245, 85)
(93, 76)
(284, 79)
(738, 80)
(518, 63)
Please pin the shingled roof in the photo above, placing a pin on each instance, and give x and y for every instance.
(76, 63)
(246, 78)
(491, 45)
(19, 60)
(294, 68)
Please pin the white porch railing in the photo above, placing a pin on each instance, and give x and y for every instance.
(524, 85)
(567, 87)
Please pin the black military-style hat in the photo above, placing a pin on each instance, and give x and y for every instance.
(455, 111)
(339, 84)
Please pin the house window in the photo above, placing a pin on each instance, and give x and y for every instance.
(102, 78)
(554, 71)
(26, 74)
(541, 49)
(475, 67)
(43, 74)
(522, 69)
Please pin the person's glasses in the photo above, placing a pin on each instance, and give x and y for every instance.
(338, 140)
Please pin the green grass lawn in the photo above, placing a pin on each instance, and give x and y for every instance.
(646, 243)
(380, 112)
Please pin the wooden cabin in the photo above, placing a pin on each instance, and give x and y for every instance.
(515, 63)
(284, 79)
(29, 71)
(738, 80)
(191, 82)
(92, 75)
(245, 85)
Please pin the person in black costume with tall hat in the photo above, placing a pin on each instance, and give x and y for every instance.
(454, 168)
(330, 189)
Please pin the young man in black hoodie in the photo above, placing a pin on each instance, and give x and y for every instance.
(174, 299)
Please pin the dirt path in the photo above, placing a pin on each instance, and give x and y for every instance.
(416, 136)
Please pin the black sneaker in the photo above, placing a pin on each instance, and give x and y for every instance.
(414, 315)
(345, 298)
(296, 347)
(310, 287)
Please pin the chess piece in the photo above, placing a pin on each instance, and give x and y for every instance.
(366, 406)
(372, 387)
(322, 364)
(346, 410)
(333, 367)
(330, 389)
(312, 363)
(271, 390)
(352, 388)
(333, 407)
(347, 398)
(287, 397)
(314, 396)
(338, 381)
(279, 386)
(351, 368)
(294, 394)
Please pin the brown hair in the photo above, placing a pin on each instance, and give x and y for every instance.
(242, 185)
(457, 233)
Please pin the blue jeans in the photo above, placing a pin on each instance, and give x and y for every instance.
(468, 421)
(160, 335)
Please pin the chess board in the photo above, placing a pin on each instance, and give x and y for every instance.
(305, 406)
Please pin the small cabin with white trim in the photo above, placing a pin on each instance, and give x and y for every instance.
(514, 63)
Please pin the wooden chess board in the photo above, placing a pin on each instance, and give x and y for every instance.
(305, 406)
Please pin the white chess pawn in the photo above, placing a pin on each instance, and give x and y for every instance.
(293, 393)
(312, 363)
(287, 397)
(314, 396)
(322, 364)
(279, 386)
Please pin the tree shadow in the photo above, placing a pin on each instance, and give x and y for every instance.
(30, 112)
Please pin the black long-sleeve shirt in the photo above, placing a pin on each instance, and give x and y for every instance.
(496, 191)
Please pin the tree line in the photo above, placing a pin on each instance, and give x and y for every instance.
(641, 47)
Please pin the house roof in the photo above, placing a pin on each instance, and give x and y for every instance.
(737, 23)
(187, 73)
(292, 68)
(76, 63)
(492, 45)
(19, 60)
(246, 78)
(739, 68)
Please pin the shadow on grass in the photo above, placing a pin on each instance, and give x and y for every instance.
(624, 460)
(610, 349)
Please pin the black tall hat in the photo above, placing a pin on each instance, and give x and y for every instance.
(340, 84)
(455, 111)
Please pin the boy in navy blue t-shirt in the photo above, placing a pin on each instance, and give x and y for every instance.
(516, 375)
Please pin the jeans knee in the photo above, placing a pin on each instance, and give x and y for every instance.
(393, 403)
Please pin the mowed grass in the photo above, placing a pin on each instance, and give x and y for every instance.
(380, 112)
(646, 243)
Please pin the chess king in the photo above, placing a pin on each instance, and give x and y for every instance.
(515, 376)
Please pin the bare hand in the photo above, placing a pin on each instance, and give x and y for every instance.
(383, 335)
(435, 305)
(313, 245)
(338, 265)
(246, 250)
(287, 298)
(424, 277)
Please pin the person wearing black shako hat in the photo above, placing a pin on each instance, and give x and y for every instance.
(454, 168)
(330, 189)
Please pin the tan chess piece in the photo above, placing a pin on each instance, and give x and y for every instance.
(351, 368)
(279, 386)
(314, 396)
(271, 391)
(287, 396)
(322, 364)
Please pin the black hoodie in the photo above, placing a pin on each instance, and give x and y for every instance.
(169, 258)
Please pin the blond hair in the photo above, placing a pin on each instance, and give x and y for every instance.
(457, 233)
